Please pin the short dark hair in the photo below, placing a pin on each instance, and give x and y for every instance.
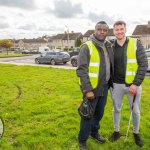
(120, 22)
(101, 22)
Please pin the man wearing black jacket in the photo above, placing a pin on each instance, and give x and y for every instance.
(95, 68)
(130, 65)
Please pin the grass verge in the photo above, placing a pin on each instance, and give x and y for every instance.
(13, 55)
(39, 108)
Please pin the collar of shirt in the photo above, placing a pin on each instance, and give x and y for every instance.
(117, 45)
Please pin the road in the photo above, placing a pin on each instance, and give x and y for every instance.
(29, 60)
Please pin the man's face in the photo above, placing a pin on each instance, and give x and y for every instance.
(119, 31)
(101, 31)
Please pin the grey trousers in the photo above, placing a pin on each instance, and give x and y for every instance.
(117, 93)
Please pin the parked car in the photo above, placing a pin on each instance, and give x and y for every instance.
(34, 52)
(44, 49)
(148, 58)
(53, 58)
(25, 52)
(74, 52)
(74, 60)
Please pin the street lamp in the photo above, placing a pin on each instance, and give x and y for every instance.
(67, 30)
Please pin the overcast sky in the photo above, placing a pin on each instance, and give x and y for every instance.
(34, 18)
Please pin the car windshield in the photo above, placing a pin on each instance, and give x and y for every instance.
(62, 53)
(43, 54)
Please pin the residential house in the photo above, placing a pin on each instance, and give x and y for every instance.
(30, 44)
(57, 41)
(110, 35)
(69, 40)
(65, 40)
(87, 35)
(143, 33)
(49, 43)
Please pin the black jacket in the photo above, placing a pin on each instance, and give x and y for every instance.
(83, 64)
(141, 60)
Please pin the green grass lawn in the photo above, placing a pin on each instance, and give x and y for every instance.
(39, 108)
(13, 55)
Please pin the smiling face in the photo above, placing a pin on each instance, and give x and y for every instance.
(119, 31)
(101, 31)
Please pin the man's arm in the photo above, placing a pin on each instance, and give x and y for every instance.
(142, 68)
(142, 64)
(82, 69)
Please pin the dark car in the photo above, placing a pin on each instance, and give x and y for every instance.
(53, 58)
(74, 52)
(148, 58)
(74, 60)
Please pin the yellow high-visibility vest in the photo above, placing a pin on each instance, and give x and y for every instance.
(132, 65)
(94, 64)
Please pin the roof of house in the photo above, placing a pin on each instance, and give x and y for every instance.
(141, 30)
(34, 40)
(64, 36)
(58, 36)
(89, 32)
(72, 36)
(31, 40)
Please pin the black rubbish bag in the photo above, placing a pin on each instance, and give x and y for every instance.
(86, 110)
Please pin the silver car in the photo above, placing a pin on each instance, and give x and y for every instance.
(53, 58)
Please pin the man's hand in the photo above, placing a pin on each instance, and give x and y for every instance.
(90, 95)
(133, 89)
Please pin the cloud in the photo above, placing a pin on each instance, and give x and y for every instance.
(3, 25)
(65, 9)
(21, 15)
(139, 22)
(27, 27)
(50, 29)
(2, 17)
(46, 29)
(24, 4)
(95, 18)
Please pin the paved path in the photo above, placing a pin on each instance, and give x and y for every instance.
(29, 61)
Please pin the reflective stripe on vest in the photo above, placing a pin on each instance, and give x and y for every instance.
(132, 65)
(94, 64)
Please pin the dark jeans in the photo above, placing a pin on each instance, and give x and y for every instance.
(91, 126)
